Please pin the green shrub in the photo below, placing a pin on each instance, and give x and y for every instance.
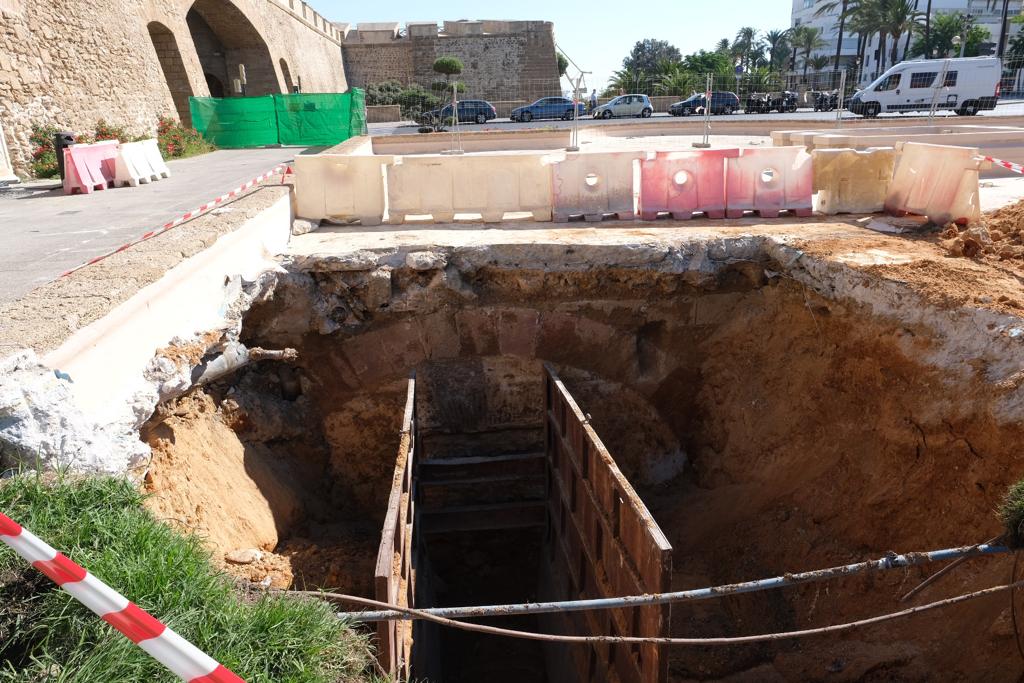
(178, 142)
(1011, 514)
(101, 524)
(44, 157)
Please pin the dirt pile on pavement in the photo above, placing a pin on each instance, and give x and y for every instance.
(999, 236)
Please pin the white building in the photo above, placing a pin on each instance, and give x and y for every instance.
(804, 13)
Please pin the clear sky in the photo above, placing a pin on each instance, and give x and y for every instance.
(596, 34)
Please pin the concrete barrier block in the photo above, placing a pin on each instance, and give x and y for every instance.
(937, 181)
(769, 180)
(491, 186)
(851, 181)
(684, 183)
(340, 187)
(89, 167)
(132, 167)
(155, 158)
(594, 185)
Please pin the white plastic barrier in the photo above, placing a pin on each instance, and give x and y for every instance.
(132, 167)
(851, 181)
(155, 159)
(594, 185)
(340, 187)
(937, 181)
(491, 186)
(769, 180)
(6, 168)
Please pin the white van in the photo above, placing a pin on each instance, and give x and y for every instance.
(966, 85)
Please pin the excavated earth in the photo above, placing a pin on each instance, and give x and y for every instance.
(784, 396)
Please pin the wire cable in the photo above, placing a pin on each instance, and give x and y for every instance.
(733, 640)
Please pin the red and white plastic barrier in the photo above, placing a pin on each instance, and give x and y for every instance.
(183, 658)
(283, 169)
(1008, 165)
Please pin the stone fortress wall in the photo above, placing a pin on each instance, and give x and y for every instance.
(503, 59)
(70, 63)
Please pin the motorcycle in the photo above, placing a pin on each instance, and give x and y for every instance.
(785, 101)
(758, 103)
(826, 100)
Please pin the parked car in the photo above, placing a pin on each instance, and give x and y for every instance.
(470, 111)
(721, 103)
(625, 105)
(971, 84)
(547, 108)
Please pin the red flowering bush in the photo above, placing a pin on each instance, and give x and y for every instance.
(44, 158)
(176, 141)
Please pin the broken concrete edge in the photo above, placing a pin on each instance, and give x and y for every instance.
(993, 338)
(80, 406)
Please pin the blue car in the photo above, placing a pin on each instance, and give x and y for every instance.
(547, 108)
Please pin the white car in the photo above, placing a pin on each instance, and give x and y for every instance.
(965, 85)
(625, 105)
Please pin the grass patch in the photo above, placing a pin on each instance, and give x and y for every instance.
(1011, 514)
(101, 524)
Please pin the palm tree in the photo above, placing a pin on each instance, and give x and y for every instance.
(777, 43)
(744, 45)
(900, 17)
(722, 46)
(928, 23)
(807, 39)
(829, 6)
(820, 62)
(1004, 24)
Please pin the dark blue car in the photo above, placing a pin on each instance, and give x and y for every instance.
(547, 108)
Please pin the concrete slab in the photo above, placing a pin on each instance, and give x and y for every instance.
(45, 232)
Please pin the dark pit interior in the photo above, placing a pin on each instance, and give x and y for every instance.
(768, 430)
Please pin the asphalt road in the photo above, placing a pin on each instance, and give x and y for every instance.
(46, 232)
(1008, 108)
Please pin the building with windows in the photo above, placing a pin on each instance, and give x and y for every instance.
(986, 14)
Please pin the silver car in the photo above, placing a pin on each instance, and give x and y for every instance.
(625, 105)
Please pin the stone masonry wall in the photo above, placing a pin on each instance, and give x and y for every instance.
(69, 63)
(512, 65)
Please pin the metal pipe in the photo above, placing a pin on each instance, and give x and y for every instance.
(890, 561)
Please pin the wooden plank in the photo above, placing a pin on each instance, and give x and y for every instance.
(483, 517)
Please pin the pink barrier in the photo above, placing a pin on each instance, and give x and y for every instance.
(769, 180)
(89, 167)
(684, 183)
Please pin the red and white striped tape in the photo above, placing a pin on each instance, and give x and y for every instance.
(1008, 165)
(283, 169)
(183, 658)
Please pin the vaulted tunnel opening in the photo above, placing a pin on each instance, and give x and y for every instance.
(766, 427)
(226, 40)
(173, 67)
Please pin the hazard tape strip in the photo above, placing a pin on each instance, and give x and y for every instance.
(183, 658)
(1008, 165)
(283, 169)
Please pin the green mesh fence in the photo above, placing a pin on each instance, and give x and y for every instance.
(236, 121)
(303, 120)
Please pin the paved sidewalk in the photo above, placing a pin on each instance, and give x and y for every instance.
(44, 232)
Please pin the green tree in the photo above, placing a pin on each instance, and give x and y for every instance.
(563, 63)
(777, 43)
(938, 42)
(807, 39)
(448, 66)
(829, 6)
(647, 54)
(745, 45)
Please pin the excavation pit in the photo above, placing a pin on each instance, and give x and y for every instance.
(782, 398)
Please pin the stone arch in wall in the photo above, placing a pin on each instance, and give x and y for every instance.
(286, 73)
(225, 39)
(173, 67)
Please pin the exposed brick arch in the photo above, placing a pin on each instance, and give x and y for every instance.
(225, 38)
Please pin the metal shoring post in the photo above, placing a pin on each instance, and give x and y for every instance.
(707, 117)
(842, 99)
